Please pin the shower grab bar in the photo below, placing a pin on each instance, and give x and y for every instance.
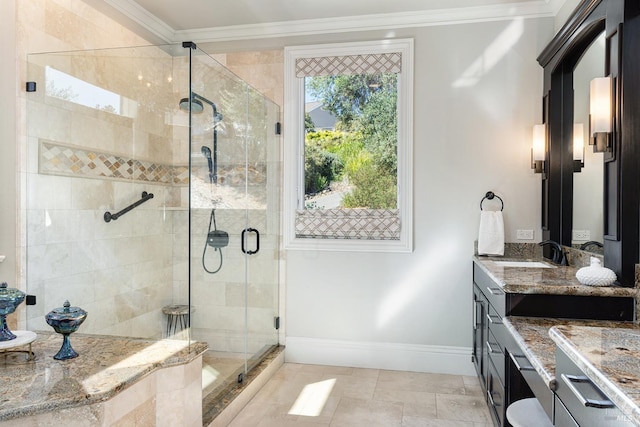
(108, 216)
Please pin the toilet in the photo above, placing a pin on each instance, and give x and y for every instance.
(528, 413)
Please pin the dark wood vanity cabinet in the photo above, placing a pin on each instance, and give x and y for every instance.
(504, 372)
(492, 346)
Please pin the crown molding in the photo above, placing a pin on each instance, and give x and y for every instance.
(530, 9)
(144, 18)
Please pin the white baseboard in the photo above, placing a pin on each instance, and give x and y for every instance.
(396, 357)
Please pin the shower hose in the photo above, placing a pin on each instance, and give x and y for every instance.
(212, 220)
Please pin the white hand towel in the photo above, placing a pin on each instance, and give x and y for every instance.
(491, 233)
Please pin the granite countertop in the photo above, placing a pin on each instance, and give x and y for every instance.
(610, 357)
(106, 366)
(532, 336)
(557, 280)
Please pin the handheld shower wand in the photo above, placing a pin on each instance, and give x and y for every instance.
(206, 151)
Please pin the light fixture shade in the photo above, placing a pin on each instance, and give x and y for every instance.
(578, 141)
(539, 142)
(600, 105)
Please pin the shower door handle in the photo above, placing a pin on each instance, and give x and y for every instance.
(243, 238)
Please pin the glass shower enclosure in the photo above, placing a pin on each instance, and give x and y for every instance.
(153, 200)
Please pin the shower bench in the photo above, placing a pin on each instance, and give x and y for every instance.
(121, 380)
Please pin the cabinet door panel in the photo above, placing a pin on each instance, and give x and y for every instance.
(495, 395)
(479, 334)
(563, 417)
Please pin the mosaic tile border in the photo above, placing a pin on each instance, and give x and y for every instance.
(67, 160)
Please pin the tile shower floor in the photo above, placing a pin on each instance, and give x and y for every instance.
(312, 395)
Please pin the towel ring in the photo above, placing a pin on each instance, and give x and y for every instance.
(490, 195)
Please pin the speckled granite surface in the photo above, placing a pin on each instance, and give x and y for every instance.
(610, 357)
(532, 336)
(214, 404)
(556, 280)
(106, 366)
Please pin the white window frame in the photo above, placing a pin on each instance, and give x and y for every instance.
(294, 94)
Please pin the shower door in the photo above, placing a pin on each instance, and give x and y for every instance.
(234, 215)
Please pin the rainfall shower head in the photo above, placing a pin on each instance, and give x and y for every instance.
(196, 105)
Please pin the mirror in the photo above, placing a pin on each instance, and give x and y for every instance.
(587, 221)
(620, 196)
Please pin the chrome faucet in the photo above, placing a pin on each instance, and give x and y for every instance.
(558, 256)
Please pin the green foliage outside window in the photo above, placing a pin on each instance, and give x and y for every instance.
(363, 148)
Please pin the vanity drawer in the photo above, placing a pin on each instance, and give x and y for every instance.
(497, 328)
(496, 355)
(585, 402)
(491, 290)
(538, 386)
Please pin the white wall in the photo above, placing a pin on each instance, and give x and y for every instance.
(477, 93)
(564, 12)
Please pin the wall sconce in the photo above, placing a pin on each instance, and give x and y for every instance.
(600, 114)
(578, 147)
(538, 148)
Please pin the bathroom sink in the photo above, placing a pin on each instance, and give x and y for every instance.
(524, 264)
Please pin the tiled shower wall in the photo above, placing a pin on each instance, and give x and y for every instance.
(49, 26)
(83, 162)
(122, 272)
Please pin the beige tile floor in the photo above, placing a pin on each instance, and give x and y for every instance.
(312, 395)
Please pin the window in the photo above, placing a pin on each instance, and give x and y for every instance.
(69, 88)
(348, 146)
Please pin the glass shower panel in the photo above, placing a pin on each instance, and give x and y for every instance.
(218, 213)
(263, 212)
(234, 160)
(99, 136)
(107, 126)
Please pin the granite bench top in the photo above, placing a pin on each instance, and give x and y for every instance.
(610, 357)
(558, 280)
(608, 352)
(106, 366)
(532, 336)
